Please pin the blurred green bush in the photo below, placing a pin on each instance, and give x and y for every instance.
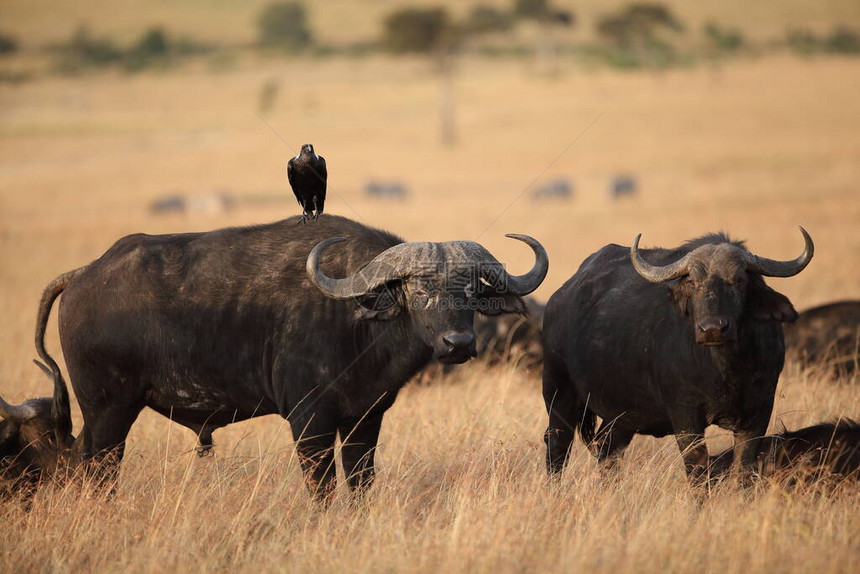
(284, 25)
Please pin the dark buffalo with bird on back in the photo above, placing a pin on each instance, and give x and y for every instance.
(321, 324)
(666, 341)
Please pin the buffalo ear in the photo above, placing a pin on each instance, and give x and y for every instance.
(765, 304)
(492, 302)
(381, 305)
(682, 294)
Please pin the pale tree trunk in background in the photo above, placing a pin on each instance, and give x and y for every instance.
(447, 97)
(545, 52)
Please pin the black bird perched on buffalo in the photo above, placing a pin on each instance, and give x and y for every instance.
(307, 175)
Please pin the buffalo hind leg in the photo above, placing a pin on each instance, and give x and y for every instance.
(105, 431)
(315, 447)
(359, 439)
(564, 410)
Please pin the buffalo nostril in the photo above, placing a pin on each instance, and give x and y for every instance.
(721, 325)
(458, 340)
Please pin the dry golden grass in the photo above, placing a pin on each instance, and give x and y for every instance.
(756, 149)
(461, 489)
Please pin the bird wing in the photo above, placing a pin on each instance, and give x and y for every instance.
(323, 171)
(290, 172)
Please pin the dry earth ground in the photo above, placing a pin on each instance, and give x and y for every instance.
(755, 148)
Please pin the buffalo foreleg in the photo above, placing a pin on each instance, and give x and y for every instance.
(316, 455)
(695, 453)
(359, 439)
(748, 443)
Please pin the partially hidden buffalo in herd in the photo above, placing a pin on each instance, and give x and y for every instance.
(512, 339)
(665, 341)
(826, 337)
(321, 324)
(831, 448)
(31, 447)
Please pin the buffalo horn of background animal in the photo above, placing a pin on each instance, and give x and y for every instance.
(20, 412)
(755, 264)
(771, 268)
(405, 259)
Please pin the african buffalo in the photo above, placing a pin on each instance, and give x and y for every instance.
(665, 341)
(830, 447)
(213, 328)
(31, 446)
(512, 338)
(827, 335)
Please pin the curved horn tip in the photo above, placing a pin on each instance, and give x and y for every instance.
(331, 241)
(320, 247)
(45, 369)
(527, 239)
(525, 284)
(807, 238)
(22, 412)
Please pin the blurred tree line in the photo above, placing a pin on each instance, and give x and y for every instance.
(639, 35)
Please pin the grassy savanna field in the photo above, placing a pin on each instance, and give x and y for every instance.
(754, 148)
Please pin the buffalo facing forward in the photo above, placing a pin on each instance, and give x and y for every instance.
(322, 324)
(665, 341)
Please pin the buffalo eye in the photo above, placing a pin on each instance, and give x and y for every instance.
(420, 299)
(470, 290)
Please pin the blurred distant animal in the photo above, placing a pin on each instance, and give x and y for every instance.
(173, 203)
(623, 186)
(832, 447)
(827, 335)
(307, 175)
(386, 189)
(211, 204)
(666, 341)
(555, 189)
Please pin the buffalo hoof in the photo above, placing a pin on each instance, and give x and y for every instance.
(204, 450)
